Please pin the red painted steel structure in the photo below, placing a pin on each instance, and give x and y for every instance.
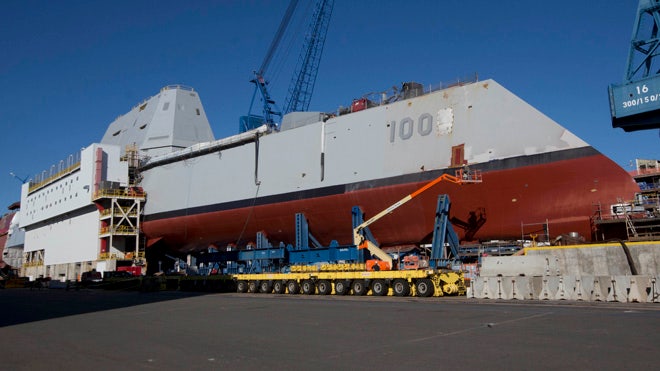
(563, 192)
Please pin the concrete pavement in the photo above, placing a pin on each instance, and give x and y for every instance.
(56, 329)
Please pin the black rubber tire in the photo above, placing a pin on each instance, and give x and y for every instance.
(379, 288)
(342, 287)
(401, 287)
(279, 287)
(308, 287)
(253, 287)
(266, 287)
(424, 287)
(242, 287)
(360, 287)
(324, 287)
(293, 287)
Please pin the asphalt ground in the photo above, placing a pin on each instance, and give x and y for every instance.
(95, 329)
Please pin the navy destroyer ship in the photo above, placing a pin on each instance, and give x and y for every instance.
(204, 192)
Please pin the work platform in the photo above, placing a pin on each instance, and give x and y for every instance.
(638, 219)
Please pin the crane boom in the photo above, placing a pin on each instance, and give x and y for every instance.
(278, 37)
(303, 81)
(304, 78)
(260, 83)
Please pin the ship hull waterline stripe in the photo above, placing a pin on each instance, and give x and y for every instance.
(496, 165)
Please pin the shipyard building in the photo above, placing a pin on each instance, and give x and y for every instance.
(81, 215)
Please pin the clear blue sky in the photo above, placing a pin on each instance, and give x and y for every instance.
(69, 68)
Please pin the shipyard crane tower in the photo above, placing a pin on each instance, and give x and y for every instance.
(635, 104)
(302, 84)
(304, 78)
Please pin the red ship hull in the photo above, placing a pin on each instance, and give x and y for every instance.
(512, 200)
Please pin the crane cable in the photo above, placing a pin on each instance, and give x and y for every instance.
(283, 55)
(278, 36)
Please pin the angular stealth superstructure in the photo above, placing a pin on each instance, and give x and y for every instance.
(171, 120)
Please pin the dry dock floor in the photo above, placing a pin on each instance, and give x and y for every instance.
(88, 329)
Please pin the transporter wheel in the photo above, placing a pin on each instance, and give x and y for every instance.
(278, 287)
(266, 287)
(360, 288)
(342, 287)
(242, 287)
(253, 287)
(401, 287)
(293, 287)
(424, 287)
(325, 287)
(379, 288)
(308, 287)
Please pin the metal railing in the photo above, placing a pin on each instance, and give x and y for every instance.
(47, 178)
(177, 86)
(127, 256)
(120, 229)
(107, 256)
(37, 263)
(124, 193)
(647, 171)
(118, 212)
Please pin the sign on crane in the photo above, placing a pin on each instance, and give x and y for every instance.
(635, 104)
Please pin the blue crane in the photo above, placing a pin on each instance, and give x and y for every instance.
(302, 84)
(22, 180)
(635, 104)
